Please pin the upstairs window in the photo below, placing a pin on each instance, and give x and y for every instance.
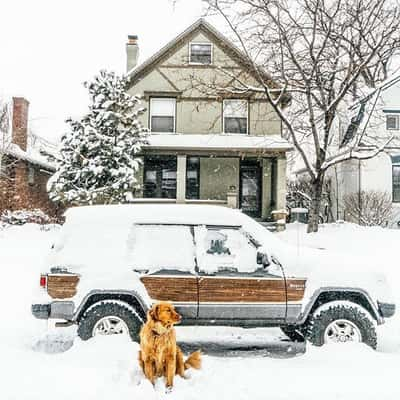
(200, 53)
(392, 122)
(235, 116)
(162, 114)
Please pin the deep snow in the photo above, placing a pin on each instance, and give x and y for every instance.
(33, 368)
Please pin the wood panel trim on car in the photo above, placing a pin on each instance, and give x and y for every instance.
(171, 288)
(63, 286)
(254, 290)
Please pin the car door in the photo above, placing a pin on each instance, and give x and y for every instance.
(165, 257)
(233, 288)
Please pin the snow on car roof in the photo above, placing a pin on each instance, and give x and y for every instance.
(191, 214)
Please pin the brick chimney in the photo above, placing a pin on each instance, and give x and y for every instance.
(20, 122)
(132, 52)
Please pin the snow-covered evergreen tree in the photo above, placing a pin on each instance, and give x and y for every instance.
(99, 161)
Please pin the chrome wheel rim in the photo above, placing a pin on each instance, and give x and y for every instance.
(342, 331)
(110, 325)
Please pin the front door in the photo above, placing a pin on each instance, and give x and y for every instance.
(233, 288)
(250, 188)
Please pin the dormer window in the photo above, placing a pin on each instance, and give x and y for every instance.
(200, 53)
(392, 122)
(235, 116)
(162, 114)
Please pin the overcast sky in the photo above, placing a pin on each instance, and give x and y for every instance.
(48, 48)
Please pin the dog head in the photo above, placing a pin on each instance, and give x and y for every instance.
(165, 314)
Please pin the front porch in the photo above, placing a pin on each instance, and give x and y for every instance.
(250, 178)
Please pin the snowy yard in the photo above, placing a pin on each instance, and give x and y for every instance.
(106, 367)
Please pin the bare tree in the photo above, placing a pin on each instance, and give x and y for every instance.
(368, 208)
(318, 55)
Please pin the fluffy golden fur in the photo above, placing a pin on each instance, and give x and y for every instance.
(159, 354)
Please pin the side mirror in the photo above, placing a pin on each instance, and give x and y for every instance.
(262, 259)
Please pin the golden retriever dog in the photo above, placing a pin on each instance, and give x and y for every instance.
(159, 354)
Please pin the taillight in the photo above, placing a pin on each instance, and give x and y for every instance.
(43, 281)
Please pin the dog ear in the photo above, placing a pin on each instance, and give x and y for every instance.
(154, 312)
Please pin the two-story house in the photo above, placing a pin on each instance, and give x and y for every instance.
(376, 121)
(205, 145)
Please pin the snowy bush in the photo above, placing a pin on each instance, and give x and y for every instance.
(99, 154)
(368, 208)
(21, 217)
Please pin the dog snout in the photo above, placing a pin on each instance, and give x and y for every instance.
(177, 317)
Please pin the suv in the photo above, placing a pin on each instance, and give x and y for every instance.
(215, 264)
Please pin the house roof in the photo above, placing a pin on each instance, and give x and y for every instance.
(217, 142)
(240, 56)
(32, 157)
(386, 84)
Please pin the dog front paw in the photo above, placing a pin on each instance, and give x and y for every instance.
(168, 389)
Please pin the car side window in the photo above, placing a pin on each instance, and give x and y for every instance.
(224, 249)
(161, 247)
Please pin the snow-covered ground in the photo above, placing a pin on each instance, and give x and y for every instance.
(32, 365)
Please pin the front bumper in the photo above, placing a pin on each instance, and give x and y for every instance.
(55, 309)
(386, 310)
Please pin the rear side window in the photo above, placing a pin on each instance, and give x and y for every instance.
(157, 247)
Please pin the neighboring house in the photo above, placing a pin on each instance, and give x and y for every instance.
(376, 119)
(23, 171)
(206, 147)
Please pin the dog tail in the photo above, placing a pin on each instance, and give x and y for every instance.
(194, 360)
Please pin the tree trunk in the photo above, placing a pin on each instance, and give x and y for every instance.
(313, 212)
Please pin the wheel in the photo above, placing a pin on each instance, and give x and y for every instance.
(340, 322)
(109, 318)
(292, 333)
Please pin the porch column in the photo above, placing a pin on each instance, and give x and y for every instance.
(281, 183)
(181, 179)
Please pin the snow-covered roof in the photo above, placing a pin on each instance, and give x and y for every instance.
(32, 155)
(228, 142)
(387, 83)
(191, 214)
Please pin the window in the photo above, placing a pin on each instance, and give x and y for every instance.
(160, 177)
(162, 114)
(193, 178)
(157, 247)
(224, 250)
(31, 175)
(396, 179)
(235, 116)
(200, 53)
(392, 122)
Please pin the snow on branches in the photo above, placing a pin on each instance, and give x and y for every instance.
(99, 159)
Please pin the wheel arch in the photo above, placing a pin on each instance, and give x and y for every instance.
(355, 295)
(96, 296)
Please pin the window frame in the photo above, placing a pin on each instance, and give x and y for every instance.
(397, 117)
(201, 43)
(151, 113)
(247, 117)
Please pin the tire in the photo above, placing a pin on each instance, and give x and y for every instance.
(319, 325)
(111, 309)
(292, 333)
